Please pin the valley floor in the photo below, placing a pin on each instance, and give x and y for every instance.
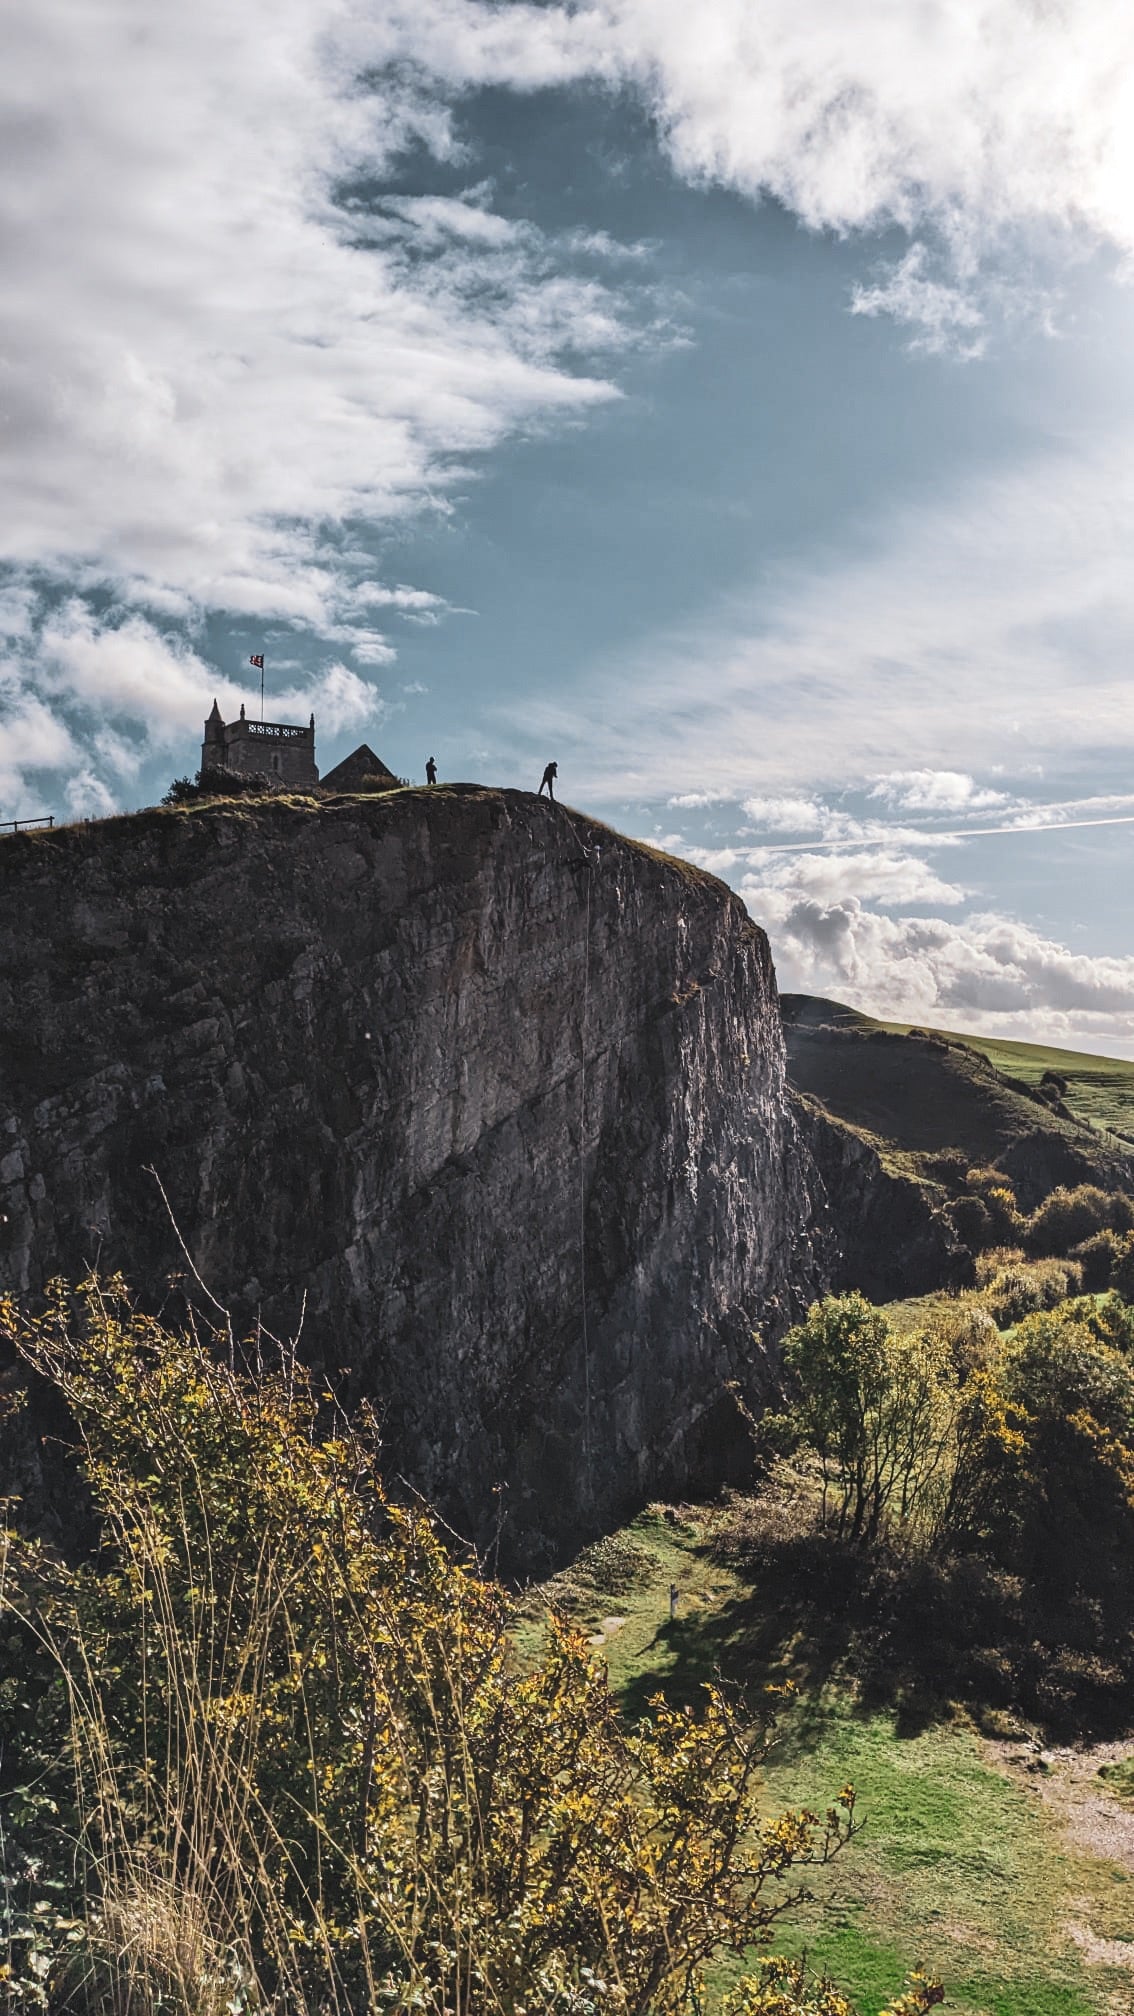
(1007, 1870)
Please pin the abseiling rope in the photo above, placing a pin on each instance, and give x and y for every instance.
(589, 856)
(583, 1191)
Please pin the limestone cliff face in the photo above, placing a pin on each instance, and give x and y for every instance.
(889, 1236)
(490, 1097)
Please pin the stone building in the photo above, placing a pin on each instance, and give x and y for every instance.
(260, 748)
(362, 770)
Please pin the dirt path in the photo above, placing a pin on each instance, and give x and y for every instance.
(1068, 1783)
(1096, 1824)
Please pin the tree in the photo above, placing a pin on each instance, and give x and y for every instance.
(878, 1410)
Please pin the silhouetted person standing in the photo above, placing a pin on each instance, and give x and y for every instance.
(431, 772)
(548, 778)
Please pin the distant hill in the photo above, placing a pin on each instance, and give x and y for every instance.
(1044, 1115)
(1100, 1090)
(896, 1118)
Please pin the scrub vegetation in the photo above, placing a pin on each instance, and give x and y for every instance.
(270, 1747)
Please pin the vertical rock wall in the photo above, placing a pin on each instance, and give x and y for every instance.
(490, 1097)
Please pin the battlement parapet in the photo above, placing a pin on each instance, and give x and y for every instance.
(275, 731)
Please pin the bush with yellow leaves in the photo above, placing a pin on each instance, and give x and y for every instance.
(284, 1753)
(782, 1988)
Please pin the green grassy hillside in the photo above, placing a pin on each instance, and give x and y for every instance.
(921, 1092)
(1099, 1090)
(962, 1865)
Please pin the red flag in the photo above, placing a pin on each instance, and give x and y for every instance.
(257, 658)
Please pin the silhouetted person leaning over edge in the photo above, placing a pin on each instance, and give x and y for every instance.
(431, 772)
(548, 778)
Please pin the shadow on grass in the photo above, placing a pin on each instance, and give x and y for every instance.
(910, 1638)
(767, 1636)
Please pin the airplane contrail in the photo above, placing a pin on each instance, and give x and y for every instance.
(904, 836)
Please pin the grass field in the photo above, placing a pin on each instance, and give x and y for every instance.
(958, 1866)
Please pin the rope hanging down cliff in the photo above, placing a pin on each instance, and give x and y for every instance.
(583, 1192)
(590, 857)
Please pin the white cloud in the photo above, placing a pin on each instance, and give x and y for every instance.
(127, 671)
(876, 876)
(983, 973)
(88, 796)
(338, 698)
(698, 801)
(120, 756)
(33, 741)
(945, 316)
(374, 595)
(31, 736)
(204, 362)
(213, 348)
(936, 791)
(788, 815)
(985, 121)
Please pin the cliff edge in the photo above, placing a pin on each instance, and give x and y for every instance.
(490, 1098)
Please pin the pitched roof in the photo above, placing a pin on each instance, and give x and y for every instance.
(361, 764)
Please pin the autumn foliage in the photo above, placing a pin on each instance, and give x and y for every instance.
(270, 1748)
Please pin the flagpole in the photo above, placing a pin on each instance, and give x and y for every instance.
(257, 658)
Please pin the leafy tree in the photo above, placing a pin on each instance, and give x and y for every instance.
(879, 1412)
(1073, 1397)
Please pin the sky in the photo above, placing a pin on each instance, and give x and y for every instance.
(734, 403)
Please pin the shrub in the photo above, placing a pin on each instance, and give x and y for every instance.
(782, 1988)
(997, 1258)
(183, 791)
(1068, 1217)
(1121, 1211)
(375, 781)
(1097, 1257)
(787, 1507)
(1021, 1290)
(1108, 1318)
(999, 1200)
(284, 1755)
(970, 1336)
(1122, 1273)
(973, 1222)
(222, 784)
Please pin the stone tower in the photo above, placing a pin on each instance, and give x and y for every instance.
(272, 749)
